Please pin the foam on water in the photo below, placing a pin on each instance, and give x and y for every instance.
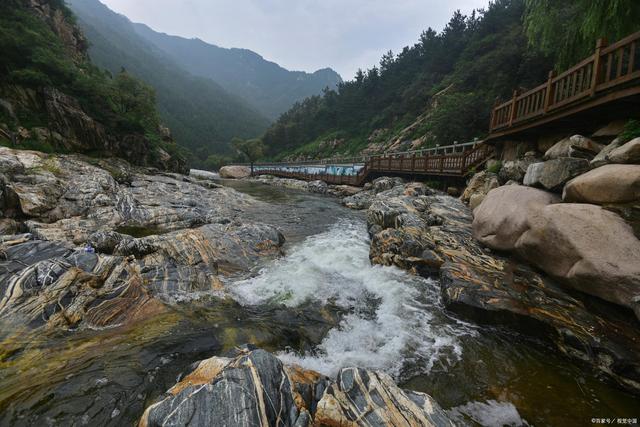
(394, 319)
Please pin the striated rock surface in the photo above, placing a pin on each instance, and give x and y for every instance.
(432, 235)
(255, 388)
(107, 243)
(604, 185)
(70, 197)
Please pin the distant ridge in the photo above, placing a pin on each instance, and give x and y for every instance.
(267, 86)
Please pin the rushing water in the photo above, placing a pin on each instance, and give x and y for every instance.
(323, 306)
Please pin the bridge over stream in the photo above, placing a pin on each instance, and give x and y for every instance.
(455, 162)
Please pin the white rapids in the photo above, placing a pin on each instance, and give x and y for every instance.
(394, 319)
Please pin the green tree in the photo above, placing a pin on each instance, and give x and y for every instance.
(567, 30)
(135, 101)
(252, 149)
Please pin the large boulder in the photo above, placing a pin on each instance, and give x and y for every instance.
(570, 147)
(478, 188)
(515, 170)
(553, 174)
(254, 388)
(432, 235)
(602, 158)
(235, 172)
(589, 248)
(502, 217)
(606, 184)
(627, 153)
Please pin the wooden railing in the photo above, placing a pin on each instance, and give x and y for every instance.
(609, 67)
(451, 164)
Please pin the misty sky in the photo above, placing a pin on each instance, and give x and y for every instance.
(300, 34)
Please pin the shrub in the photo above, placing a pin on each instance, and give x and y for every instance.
(631, 130)
(495, 167)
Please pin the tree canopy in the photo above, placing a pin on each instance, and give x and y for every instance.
(567, 30)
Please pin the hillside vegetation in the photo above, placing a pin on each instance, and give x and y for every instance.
(442, 89)
(52, 98)
(203, 116)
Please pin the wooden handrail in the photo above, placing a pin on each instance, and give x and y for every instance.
(586, 78)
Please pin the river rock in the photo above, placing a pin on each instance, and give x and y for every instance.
(57, 285)
(564, 147)
(627, 153)
(503, 215)
(109, 244)
(70, 197)
(318, 186)
(605, 185)
(255, 388)
(587, 247)
(365, 198)
(515, 170)
(602, 158)
(478, 188)
(553, 174)
(491, 288)
(234, 172)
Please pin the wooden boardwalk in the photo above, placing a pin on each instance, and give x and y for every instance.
(608, 76)
(454, 161)
(611, 74)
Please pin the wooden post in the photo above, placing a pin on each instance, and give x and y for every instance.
(600, 44)
(513, 107)
(548, 97)
(413, 162)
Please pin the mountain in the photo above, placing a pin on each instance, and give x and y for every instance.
(265, 85)
(53, 99)
(203, 116)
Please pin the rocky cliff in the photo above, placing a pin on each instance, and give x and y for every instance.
(53, 99)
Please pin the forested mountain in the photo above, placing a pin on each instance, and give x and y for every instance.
(203, 116)
(439, 90)
(53, 99)
(442, 89)
(265, 85)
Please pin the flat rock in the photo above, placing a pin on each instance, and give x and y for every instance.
(70, 197)
(606, 184)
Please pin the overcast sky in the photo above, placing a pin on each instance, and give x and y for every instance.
(300, 34)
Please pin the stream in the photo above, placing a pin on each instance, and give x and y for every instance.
(323, 306)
